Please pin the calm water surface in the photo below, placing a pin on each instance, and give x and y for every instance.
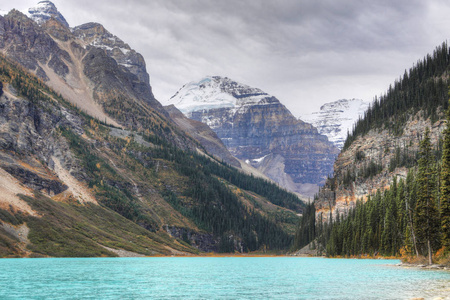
(217, 278)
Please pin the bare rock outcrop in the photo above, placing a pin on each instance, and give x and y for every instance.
(369, 164)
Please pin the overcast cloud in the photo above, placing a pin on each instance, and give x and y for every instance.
(305, 53)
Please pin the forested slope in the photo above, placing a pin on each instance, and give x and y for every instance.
(389, 193)
(148, 195)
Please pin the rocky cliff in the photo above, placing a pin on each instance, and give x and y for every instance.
(385, 143)
(126, 63)
(260, 130)
(87, 64)
(370, 163)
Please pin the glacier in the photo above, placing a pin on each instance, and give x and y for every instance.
(336, 119)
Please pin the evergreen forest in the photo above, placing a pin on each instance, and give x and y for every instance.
(423, 88)
(412, 217)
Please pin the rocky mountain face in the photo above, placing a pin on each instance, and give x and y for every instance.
(385, 143)
(368, 164)
(89, 65)
(91, 164)
(201, 132)
(261, 131)
(49, 205)
(336, 119)
(126, 63)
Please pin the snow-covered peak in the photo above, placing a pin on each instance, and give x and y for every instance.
(351, 106)
(215, 92)
(43, 11)
(336, 118)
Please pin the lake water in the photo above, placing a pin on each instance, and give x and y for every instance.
(217, 278)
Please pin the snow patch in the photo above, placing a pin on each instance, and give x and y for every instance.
(125, 65)
(124, 51)
(98, 44)
(255, 161)
(258, 160)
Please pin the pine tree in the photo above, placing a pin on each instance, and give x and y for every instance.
(445, 186)
(426, 221)
(401, 214)
(410, 199)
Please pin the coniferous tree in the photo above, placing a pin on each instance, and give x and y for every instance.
(445, 186)
(410, 197)
(426, 216)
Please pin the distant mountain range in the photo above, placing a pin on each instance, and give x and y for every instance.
(261, 131)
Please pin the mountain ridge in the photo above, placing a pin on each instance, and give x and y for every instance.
(385, 142)
(389, 194)
(260, 130)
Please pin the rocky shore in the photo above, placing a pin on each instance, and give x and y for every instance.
(423, 266)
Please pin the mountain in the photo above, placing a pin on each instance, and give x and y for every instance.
(91, 164)
(336, 119)
(385, 143)
(201, 132)
(44, 11)
(259, 130)
(389, 194)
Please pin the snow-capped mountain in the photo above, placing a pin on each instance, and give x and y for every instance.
(45, 10)
(258, 129)
(214, 92)
(336, 118)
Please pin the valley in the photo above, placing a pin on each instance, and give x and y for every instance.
(93, 165)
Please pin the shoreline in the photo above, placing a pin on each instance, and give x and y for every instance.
(127, 254)
(424, 267)
(206, 255)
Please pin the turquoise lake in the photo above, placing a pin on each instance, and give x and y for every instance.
(217, 278)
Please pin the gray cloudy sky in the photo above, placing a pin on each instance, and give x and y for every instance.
(304, 52)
